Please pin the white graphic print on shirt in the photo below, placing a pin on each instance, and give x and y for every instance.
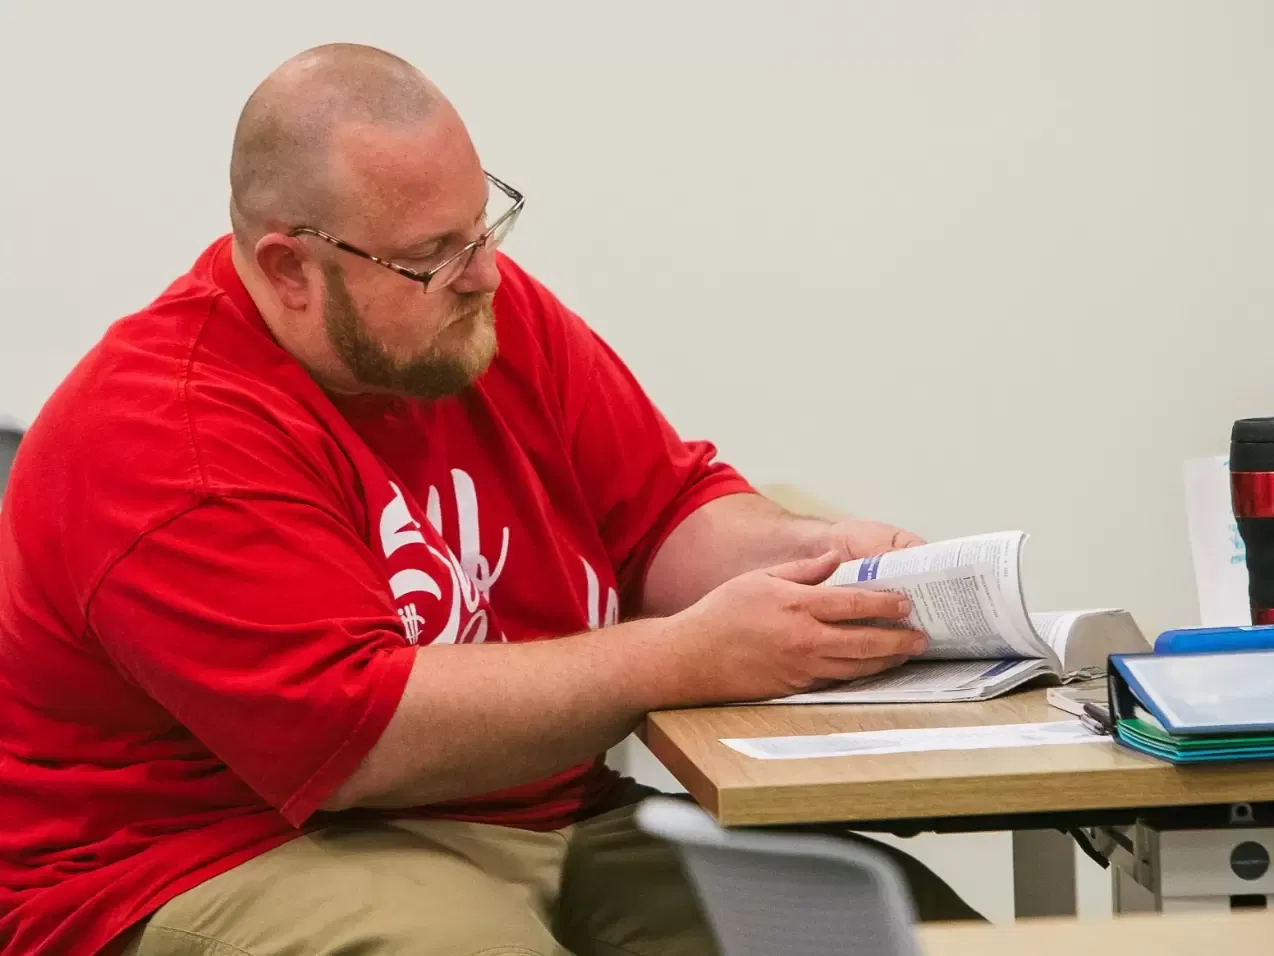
(595, 600)
(472, 574)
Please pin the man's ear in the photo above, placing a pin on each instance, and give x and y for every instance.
(282, 260)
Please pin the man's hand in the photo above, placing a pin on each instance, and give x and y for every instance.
(735, 534)
(855, 539)
(775, 632)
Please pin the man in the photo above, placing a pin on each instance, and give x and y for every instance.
(282, 559)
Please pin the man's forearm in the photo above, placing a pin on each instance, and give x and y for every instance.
(475, 718)
(723, 539)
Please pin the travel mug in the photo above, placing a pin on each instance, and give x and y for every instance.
(1252, 494)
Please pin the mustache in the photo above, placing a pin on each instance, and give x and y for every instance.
(473, 305)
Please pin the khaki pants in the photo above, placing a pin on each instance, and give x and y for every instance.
(442, 888)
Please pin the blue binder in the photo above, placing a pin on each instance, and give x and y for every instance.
(1194, 708)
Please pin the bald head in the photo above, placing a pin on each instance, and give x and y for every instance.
(282, 169)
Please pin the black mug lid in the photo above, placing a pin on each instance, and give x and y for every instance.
(1259, 430)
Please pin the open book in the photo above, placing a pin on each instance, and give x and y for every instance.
(967, 596)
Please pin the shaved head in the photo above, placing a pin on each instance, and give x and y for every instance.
(357, 143)
(282, 169)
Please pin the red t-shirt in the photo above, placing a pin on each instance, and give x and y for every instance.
(213, 580)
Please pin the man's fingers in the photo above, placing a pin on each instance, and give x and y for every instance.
(807, 570)
(905, 539)
(901, 541)
(861, 642)
(843, 670)
(855, 604)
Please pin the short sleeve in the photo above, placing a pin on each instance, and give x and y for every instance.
(639, 477)
(261, 625)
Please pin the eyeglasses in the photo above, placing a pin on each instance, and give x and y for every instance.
(454, 266)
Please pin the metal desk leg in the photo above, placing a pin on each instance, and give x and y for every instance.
(1043, 873)
(1163, 870)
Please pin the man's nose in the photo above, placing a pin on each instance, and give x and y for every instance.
(481, 275)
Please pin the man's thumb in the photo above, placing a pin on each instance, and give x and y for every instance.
(807, 570)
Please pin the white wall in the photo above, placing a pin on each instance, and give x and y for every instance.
(966, 266)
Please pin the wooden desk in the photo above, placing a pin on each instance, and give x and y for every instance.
(951, 788)
(1239, 933)
(742, 791)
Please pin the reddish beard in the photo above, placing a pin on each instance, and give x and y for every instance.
(434, 374)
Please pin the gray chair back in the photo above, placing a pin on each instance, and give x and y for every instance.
(774, 894)
(10, 435)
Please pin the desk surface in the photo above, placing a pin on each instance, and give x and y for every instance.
(1157, 935)
(742, 791)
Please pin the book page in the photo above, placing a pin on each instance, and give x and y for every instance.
(966, 595)
(926, 681)
(1054, 629)
(1082, 640)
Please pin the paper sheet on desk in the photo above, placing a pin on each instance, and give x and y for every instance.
(876, 742)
